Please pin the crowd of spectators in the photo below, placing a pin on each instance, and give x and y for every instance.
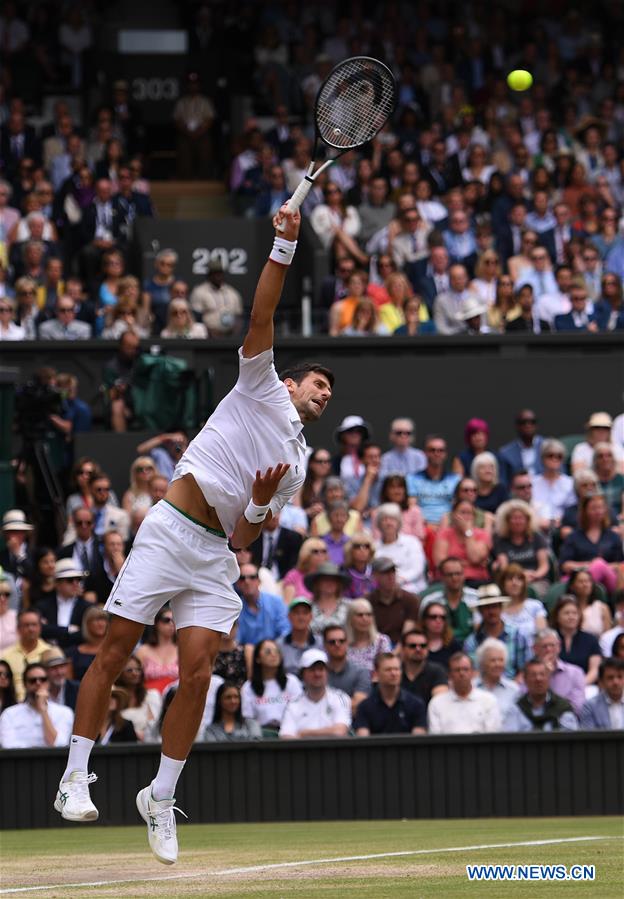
(403, 591)
(475, 210)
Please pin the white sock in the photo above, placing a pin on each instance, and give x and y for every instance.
(164, 784)
(79, 752)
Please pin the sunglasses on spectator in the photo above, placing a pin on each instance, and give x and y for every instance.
(65, 308)
(468, 489)
(42, 679)
(523, 486)
(248, 577)
(416, 645)
(361, 545)
(4, 595)
(318, 551)
(336, 642)
(402, 433)
(102, 489)
(527, 421)
(435, 449)
(5, 309)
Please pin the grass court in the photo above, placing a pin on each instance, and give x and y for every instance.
(226, 860)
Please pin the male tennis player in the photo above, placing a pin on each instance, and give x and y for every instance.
(240, 469)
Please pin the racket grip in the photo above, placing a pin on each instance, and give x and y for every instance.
(302, 191)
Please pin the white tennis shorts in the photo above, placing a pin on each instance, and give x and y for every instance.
(174, 560)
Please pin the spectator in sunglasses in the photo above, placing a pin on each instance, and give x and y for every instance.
(35, 722)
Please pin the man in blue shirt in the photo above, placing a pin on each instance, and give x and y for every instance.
(433, 487)
(263, 616)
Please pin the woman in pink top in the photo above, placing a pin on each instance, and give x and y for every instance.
(464, 541)
(159, 654)
(312, 552)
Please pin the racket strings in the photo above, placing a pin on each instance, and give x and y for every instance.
(355, 102)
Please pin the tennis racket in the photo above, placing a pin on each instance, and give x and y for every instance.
(353, 104)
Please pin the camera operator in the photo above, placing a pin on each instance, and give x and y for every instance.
(117, 379)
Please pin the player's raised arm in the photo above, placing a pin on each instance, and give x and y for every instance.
(269, 289)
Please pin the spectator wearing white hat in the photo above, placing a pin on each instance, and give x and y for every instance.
(62, 614)
(598, 429)
(16, 557)
(320, 711)
(350, 434)
(492, 628)
(472, 313)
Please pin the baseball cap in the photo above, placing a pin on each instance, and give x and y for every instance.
(311, 657)
(383, 564)
(299, 601)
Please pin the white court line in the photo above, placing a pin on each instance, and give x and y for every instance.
(299, 864)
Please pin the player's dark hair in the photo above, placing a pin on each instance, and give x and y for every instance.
(257, 682)
(218, 711)
(299, 371)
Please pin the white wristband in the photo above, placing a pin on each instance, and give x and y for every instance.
(283, 251)
(256, 514)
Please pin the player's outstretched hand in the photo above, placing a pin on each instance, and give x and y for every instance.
(292, 222)
(265, 485)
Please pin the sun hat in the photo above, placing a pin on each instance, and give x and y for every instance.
(15, 520)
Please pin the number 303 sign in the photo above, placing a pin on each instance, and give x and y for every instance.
(234, 260)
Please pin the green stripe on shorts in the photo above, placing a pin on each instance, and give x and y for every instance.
(214, 531)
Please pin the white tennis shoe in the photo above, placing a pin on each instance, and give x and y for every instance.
(161, 825)
(73, 800)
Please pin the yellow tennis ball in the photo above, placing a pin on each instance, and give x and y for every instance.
(519, 80)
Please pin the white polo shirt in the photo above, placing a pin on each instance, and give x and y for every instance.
(477, 713)
(21, 727)
(253, 428)
(304, 714)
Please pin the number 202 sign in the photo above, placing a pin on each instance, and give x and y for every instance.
(234, 261)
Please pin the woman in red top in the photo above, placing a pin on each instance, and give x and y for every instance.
(464, 541)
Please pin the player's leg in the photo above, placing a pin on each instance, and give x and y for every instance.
(197, 648)
(73, 800)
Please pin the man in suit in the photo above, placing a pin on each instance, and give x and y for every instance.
(18, 141)
(558, 237)
(523, 453)
(443, 173)
(433, 279)
(606, 710)
(84, 551)
(578, 319)
(460, 240)
(129, 204)
(509, 235)
(101, 228)
(107, 516)
(61, 615)
(60, 689)
(276, 548)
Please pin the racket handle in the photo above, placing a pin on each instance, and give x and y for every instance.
(302, 191)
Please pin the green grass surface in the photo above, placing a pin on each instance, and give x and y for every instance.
(60, 858)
